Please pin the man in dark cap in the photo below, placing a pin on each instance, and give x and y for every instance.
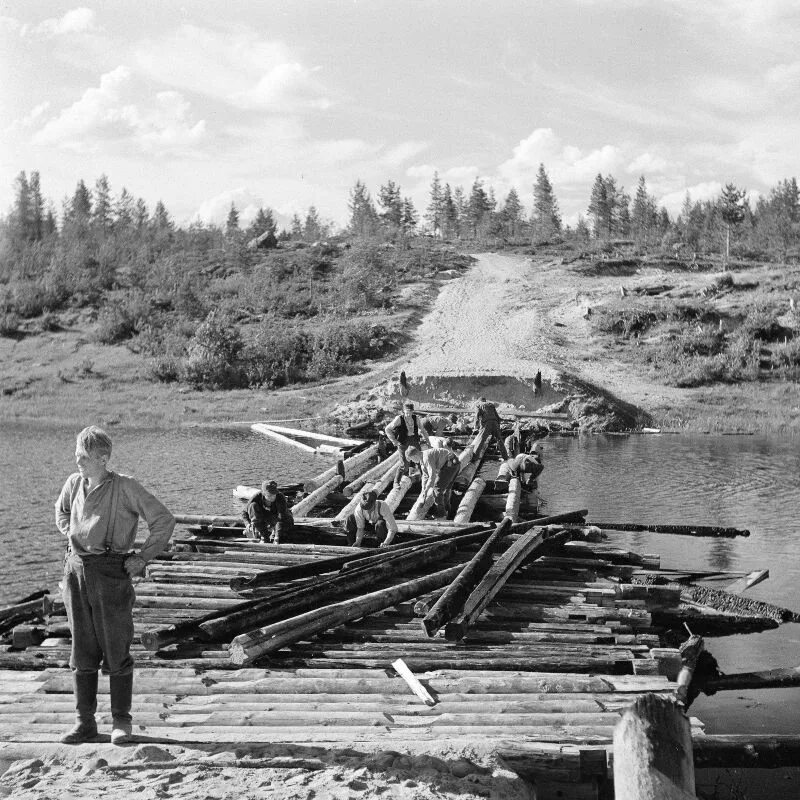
(268, 515)
(375, 514)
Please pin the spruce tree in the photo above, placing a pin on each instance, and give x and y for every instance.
(409, 218)
(391, 204)
(732, 204)
(545, 217)
(101, 213)
(363, 217)
(434, 214)
(232, 222)
(512, 213)
(599, 208)
(36, 220)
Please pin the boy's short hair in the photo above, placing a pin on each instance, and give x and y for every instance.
(95, 440)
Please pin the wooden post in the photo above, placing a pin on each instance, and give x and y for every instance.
(653, 757)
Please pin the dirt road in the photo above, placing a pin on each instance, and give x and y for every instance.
(510, 315)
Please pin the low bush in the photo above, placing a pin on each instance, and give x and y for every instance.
(624, 320)
(212, 357)
(9, 323)
(123, 317)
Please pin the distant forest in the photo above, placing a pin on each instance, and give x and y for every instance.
(256, 306)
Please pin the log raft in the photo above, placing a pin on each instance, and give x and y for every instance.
(547, 639)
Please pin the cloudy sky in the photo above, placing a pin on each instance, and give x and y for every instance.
(286, 104)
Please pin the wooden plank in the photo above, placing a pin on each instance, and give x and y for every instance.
(265, 430)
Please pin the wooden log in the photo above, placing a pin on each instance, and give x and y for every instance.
(421, 506)
(247, 647)
(653, 752)
(378, 487)
(467, 505)
(733, 603)
(550, 519)
(454, 596)
(350, 467)
(354, 556)
(495, 578)
(678, 530)
(398, 493)
(302, 508)
(291, 602)
(751, 750)
(338, 440)
(513, 499)
(766, 679)
(543, 761)
(380, 470)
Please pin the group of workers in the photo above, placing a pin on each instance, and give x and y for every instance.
(98, 512)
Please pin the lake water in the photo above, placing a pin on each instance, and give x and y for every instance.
(733, 481)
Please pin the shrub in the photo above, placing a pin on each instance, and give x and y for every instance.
(212, 359)
(276, 358)
(9, 323)
(624, 320)
(123, 318)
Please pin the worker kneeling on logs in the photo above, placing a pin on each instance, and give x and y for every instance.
(439, 466)
(267, 515)
(525, 466)
(373, 513)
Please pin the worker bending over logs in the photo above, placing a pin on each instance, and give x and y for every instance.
(439, 466)
(267, 515)
(525, 466)
(486, 417)
(372, 513)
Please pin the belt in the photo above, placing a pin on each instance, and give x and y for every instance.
(97, 556)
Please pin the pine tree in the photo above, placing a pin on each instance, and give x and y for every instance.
(460, 202)
(296, 229)
(434, 216)
(363, 217)
(732, 204)
(545, 218)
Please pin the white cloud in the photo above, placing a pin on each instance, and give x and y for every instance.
(396, 155)
(31, 118)
(107, 115)
(647, 164)
(78, 20)
(238, 67)
(784, 77)
(564, 163)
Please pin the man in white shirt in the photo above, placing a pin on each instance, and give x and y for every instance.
(372, 513)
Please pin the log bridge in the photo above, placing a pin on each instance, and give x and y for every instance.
(523, 641)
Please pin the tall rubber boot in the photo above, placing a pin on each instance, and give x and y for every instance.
(121, 689)
(85, 689)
